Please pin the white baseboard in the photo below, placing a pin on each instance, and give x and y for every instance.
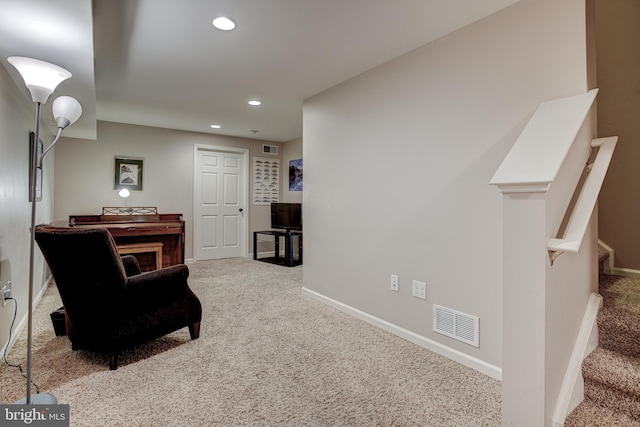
(266, 254)
(625, 272)
(450, 353)
(270, 253)
(610, 267)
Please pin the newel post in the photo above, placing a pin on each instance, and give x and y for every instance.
(524, 305)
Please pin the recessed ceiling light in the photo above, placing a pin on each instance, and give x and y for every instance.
(216, 126)
(223, 23)
(254, 102)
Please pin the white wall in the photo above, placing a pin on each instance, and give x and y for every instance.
(398, 162)
(84, 172)
(17, 116)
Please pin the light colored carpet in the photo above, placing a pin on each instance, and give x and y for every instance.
(266, 356)
(612, 371)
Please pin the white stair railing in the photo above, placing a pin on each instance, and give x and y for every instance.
(583, 209)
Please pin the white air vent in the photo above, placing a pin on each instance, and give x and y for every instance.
(269, 149)
(457, 325)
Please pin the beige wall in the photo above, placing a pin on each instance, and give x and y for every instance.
(84, 172)
(17, 115)
(618, 76)
(398, 162)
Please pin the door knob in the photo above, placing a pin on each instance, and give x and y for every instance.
(240, 210)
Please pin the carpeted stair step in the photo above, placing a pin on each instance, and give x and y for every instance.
(612, 381)
(590, 414)
(619, 331)
(612, 371)
(619, 319)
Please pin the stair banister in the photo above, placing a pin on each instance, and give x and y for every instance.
(587, 199)
(536, 295)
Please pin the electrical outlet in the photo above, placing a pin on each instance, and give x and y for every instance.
(6, 292)
(395, 283)
(419, 290)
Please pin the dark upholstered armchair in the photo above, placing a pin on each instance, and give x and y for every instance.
(109, 305)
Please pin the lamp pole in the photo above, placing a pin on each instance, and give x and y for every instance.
(36, 161)
(41, 78)
(32, 191)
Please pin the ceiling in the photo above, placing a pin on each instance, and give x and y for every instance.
(161, 63)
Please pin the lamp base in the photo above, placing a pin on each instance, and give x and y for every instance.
(39, 399)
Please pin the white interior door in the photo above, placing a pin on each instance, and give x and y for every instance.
(220, 197)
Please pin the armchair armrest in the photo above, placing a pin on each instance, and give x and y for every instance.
(131, 265)
(158, 286)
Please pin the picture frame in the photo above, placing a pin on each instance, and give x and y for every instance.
(38, 150)
(128, 173)
(295, 175)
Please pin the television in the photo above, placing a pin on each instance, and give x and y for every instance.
(286, 216)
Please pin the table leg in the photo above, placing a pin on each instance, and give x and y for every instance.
(255, 245)
(288, 250)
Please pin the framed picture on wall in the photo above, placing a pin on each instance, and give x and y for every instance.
(38, 151)
(295, 175)
(128, 173)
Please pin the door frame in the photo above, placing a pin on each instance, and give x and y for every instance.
(244, 152)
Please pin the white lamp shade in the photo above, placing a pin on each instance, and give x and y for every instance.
(66, 110)
(124, 193)
(41, 78)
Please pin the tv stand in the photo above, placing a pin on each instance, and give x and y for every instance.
(289, 236)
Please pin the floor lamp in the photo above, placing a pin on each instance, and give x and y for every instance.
(42, 78)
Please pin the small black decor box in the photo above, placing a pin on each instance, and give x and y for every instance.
(59, 325)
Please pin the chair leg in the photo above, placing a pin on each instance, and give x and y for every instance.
(113, 361)
(194, 330)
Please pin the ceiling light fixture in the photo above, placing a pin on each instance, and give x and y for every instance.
(223, 23)
(255, 102)
(216, 126)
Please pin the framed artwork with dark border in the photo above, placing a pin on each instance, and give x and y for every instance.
(128, 173)
(39, 148)
(295, 175)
